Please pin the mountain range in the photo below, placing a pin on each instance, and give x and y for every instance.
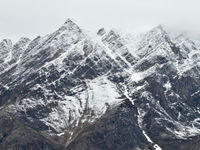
(69, 90)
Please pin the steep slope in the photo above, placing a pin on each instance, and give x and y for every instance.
(59, 83)
(163, 96)
(67, 90)
(5, 50)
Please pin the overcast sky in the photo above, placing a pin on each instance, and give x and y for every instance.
(31, 18)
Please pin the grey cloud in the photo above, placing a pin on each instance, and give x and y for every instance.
(39, 17)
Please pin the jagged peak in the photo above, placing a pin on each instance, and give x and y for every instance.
(69, 20)
(183, 37)
(19, 47)
(185, 42)
(159, 30)
(69, 32)
(6, 42)
(112, 35)
(69, 28)
(156, 40)
(113, 32)
(157, 33)
(71, 25)
(101, 32)
(160, 27)
(5, 47)
(23, 40)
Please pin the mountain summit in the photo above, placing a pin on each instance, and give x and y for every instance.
(68, 91)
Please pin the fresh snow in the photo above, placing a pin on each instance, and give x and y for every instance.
(138, 76)
(168, 86)
(99, 94)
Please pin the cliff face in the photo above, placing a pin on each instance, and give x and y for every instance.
(70, 91)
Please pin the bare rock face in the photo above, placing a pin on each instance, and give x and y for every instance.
(101, 32)
(68, 91)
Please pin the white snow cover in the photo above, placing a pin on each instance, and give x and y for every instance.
(100, 93)
(98, 97)
(138, 76)
(168, 86)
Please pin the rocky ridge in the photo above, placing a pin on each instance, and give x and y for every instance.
(68, 90)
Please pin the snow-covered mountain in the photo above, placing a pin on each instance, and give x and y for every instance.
(72, 91)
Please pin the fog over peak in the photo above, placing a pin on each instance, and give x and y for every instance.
(35, 17)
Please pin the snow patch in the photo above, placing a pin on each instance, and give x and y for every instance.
(168, 86)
